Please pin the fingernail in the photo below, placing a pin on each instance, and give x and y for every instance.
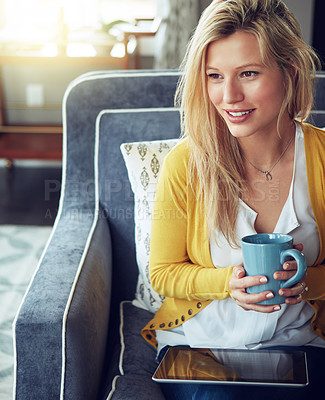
(263, 279)
(277, 308)
(269, 295)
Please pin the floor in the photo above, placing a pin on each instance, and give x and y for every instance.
(29, 195)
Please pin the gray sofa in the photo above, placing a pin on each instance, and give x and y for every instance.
(77, 334)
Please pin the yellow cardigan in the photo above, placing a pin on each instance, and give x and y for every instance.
(181, 268)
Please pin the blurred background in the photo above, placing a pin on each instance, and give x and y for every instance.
(45, 44)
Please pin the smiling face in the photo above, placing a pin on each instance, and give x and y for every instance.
(247, 94)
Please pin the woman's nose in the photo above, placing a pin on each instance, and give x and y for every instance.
(233, 92)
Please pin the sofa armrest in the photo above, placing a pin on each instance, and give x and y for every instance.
(61, 328)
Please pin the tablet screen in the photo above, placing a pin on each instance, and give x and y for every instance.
(259, 367)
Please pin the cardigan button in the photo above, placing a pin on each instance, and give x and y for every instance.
(176, 322)
(190, 312)
(149, 337)
(162, 325)
(312, 302)
(170, 324)
(183, 318)
(199, 305)
(152, 326)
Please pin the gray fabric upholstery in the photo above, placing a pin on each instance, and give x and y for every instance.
(142, 361)
(116, 196)
(137, 387)
(137, 361)
(48, 330)
(87, 322)
(317, 116)
(66, 332)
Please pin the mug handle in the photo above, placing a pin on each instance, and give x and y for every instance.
(301, 266)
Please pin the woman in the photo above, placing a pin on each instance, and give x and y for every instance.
(247, 164)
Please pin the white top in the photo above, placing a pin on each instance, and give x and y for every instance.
(223, 324)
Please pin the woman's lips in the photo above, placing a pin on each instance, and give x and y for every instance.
(239, 116)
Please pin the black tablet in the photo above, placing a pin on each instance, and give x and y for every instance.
(244, 367)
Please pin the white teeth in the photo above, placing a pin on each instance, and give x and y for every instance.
(239, 114)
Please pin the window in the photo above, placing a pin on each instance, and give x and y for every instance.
(111, 10)
(45, 20)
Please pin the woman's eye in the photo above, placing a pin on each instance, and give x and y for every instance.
(249, 74)
(214, 76)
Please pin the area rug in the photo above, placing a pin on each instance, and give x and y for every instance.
(20, 250)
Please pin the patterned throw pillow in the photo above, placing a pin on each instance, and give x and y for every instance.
(143, 162)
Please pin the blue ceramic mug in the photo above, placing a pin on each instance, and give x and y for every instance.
(264, 254)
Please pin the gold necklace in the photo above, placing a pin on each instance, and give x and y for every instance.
(267, 174)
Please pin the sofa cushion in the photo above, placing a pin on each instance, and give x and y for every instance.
(137, 358)
(137, 355)
(136, 387)
(143, 161)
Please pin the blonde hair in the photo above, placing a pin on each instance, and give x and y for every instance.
(215, 160)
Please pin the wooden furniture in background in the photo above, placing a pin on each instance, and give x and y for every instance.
(131, 33)
(45, 141)
(41, 142)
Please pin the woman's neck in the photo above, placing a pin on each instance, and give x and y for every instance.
(263, 150)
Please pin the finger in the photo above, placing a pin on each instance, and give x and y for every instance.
(260, 308)
(283, 275)
(293, 291)
(289, 270)
(252, 298)
(298, 246)
(293, 300)
(239, 271)
(247, 281)
(290, 265)
(294, 294)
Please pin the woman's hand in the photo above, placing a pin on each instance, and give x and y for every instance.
(239, 282)
(294, 293)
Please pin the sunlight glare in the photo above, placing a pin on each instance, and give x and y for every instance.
(49, 50)
(81, 50)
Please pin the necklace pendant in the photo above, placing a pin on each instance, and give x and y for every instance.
(268, 176)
